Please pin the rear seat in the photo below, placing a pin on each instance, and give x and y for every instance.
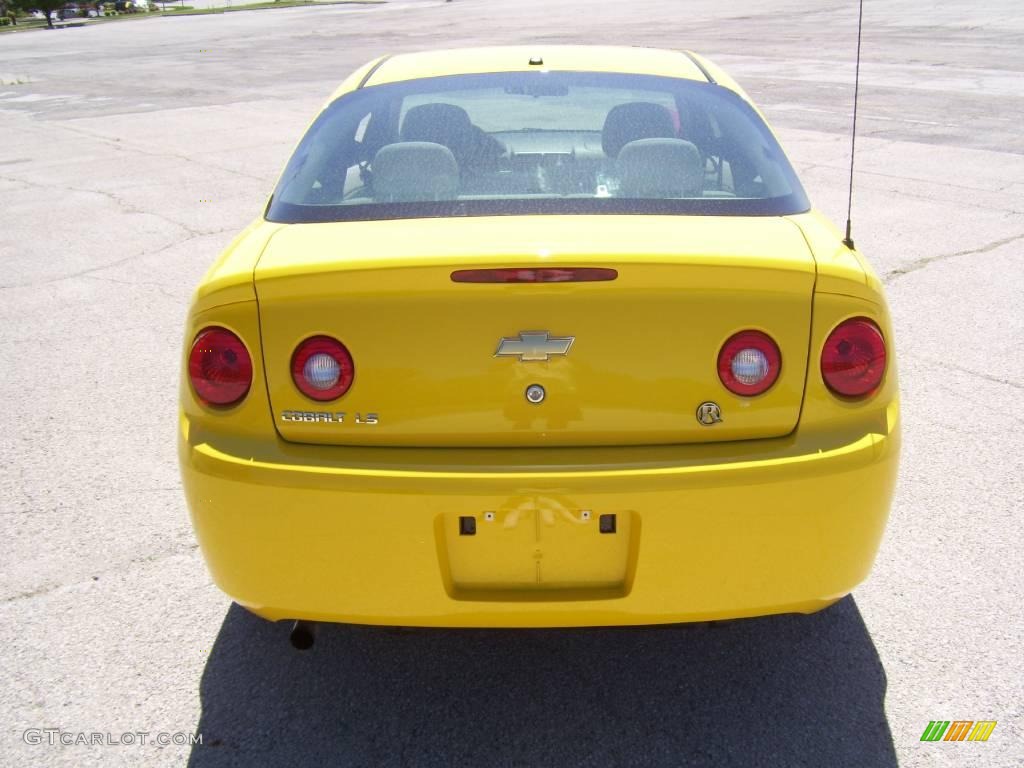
(414, 171)
(660, 168)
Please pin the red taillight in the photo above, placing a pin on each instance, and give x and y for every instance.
(219, 367)
(749, 363)
(853, 360)
(538, 275)
(322, 368)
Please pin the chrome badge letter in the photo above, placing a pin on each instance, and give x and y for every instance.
(532, 346)
(708, 413)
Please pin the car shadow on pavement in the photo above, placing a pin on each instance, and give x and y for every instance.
(774, 691)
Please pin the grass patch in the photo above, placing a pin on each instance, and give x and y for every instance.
(24, 25)
(172, 11)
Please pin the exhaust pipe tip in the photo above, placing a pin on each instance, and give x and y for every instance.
(303, 635)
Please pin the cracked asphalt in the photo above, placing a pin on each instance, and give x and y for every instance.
(133, 151)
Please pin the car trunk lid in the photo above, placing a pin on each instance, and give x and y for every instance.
(623, 361)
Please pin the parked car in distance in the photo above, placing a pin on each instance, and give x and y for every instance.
(75, 11)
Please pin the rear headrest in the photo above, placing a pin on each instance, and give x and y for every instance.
(660, 168)
(444, 124)
(637, 120)
(412, 171)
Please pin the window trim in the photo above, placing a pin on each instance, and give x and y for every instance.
(289, 213)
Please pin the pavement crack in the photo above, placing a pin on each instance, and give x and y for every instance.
(22, 182)
(186, 548)
(119, 201)
(918, 180)
(91, 270)
(127, 207)
(919, 264)
(126, 147)
(43, 590)
(161, 288)
(968, 371)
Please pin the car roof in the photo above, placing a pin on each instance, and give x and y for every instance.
(516, 58)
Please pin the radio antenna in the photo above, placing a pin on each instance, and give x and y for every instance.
(848, 240)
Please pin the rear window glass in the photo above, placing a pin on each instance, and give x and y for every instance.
(536, 142)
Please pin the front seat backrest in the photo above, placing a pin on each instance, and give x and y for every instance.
(636, 120)
(414, 171)
(444, 124)
(660, 168)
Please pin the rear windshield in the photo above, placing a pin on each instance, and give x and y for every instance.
(536, 142)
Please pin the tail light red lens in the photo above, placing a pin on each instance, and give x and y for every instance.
(322, 368)
(538, 275)
(853, 360)
(219, 367)
(749, 363)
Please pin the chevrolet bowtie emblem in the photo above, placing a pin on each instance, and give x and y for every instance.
(534, 345)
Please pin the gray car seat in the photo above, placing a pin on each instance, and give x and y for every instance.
(450, 126)
(414, 171)
(660, 168)
(636, 120)
(443, 124)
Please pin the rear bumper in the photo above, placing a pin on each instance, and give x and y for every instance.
(703, 532)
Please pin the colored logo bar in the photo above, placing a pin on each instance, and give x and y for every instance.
(958, 730)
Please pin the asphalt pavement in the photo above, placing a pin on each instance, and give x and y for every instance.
(131, 154)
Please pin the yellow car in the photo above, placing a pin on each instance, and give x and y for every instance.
(538, 337)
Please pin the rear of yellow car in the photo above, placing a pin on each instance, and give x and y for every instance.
(481, 408)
